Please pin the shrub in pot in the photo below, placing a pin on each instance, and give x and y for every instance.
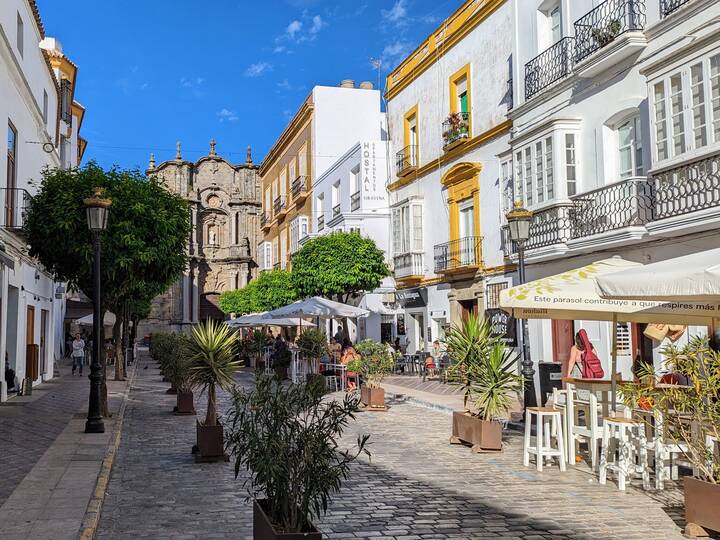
(212, 367)
(313, 346)
(487, 372)
(178, 373)
(287, 438)
(691, 418)
(374, 362)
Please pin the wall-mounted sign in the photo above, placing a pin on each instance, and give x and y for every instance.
(412, 298)
(369, 168)
(440, 314)
(503, 326)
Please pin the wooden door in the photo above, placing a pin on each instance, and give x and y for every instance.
(30, 326)
(44, 315)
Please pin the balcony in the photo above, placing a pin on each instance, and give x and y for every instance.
(455, 129)
(616, 25)
(299, 189)
(687, 196)
(409, 265)
(320, 222)
(549, 231)
(406, 160)
(355, 201)
(548, 67)
(459, 255)
(15, 202)
(264, 221)
(668, 7)
(279, 207)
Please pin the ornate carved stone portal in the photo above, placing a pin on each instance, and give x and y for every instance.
(225, 205)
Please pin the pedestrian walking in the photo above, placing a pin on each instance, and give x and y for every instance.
(78, 353)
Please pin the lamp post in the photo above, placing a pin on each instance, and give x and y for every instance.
(519, 220)
(97, 216)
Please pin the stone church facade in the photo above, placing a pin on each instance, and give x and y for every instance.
(225, 204)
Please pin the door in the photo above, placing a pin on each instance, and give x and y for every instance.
(466, 232)
(468, 307)
(11, 175)
(44, 363)
(31, 367)
(555, 25)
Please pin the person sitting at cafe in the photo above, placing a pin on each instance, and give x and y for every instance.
(348, 355)
(431, 361)
(335, 348)
(582, 355)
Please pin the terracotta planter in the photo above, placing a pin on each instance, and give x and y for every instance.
(373, 398)
(210, 444)
(483, 435)
(702, 504)
(185, 405)
(264, 530)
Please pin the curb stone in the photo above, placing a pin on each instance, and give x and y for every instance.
(91, 520)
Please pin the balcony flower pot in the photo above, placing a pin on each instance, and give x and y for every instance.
(185, 404)
(373, 398)
(702, 505)
(481, 435)
(210, 445)
(263, 529)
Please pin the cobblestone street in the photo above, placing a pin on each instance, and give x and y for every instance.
(416, 485)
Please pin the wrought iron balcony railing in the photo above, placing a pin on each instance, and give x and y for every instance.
(462, 253)
(456, 127)
(549, 226)
(355, 201)
(623, 204)
(15, 202)
(687, 188)
(321, 222)
(298, 186)
(279, 204)
(602, 25)
(406, 158)
(409, 264)
(335, 211)
(264, 219)
(669, 6)
(548, 67)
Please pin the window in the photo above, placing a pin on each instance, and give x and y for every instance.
(661, 144)
(407, 227)
(65, 101)
(624, 342)
(267, 255)
(555, 20)
(507, 189)
(676, 111)
(275, 252)
(302, 162)
(283, 183)
(335, 194)
(570, 164)
(298, 230)
(518, 183)
(292, 171)
(355, 180)
(715, 95)
(630, 148)
(11, 177)
(275, 192)
(410, 140)
(63, 151)
(283, 249)
(697, 93)
(461, 88)
(535, 171)
(492, 294)
(20, 35)
(268, 203)
(45, 107)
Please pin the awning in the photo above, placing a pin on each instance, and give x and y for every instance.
(262, 319)
(691, 278)
(318, 307)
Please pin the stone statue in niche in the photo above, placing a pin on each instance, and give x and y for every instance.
(245, 247)
(212, 235)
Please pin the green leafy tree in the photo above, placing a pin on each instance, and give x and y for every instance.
(270, 290)
(143, 249)
(338, 265)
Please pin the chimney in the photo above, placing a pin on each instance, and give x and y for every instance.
(347, 83)
(366, 85)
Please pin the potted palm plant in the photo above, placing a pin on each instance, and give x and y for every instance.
(374, 362)
(487, 372)
(177, 369)
(691, 418)
(212, 367)
(313, 345)
(287, 438)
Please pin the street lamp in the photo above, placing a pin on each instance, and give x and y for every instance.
(519, 220)
(97, 216)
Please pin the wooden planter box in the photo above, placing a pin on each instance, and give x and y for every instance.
(373, 398)
(482, 435)
(185, 404)
(702, 506)
(264, 530)
(210, 444)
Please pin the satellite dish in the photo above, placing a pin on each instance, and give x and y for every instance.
(48, 147)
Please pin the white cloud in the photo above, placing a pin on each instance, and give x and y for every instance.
(394, 53)
(293, 28)
(191, 82)
(396, 14)
(226, 115)
(257, 69)
(317, 24)
(287, 86)
(300, 30)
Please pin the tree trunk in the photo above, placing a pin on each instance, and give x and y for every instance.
(117, 339)
(125, 336)
(211, 416)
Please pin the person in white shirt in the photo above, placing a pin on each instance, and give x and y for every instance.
(78, 353)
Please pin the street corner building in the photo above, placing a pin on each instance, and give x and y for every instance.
(225, 204)
(42, 121)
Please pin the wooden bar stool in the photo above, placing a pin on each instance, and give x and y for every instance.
(632, 444)
(549, 424)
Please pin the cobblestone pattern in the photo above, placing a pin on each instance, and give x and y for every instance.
(28, 428)
(416, 485)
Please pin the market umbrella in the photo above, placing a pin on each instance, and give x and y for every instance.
(691, 278)
(261, 319)
(573, 295)
(108, 321)
(317, 306)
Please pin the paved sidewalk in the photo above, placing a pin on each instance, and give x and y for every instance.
(47, 495)
(416, 485)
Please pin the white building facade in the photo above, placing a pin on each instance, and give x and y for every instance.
(42, 123)
(447, 116)
(351, 196)
(615, 145)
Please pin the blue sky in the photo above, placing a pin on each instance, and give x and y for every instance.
(155, 71)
